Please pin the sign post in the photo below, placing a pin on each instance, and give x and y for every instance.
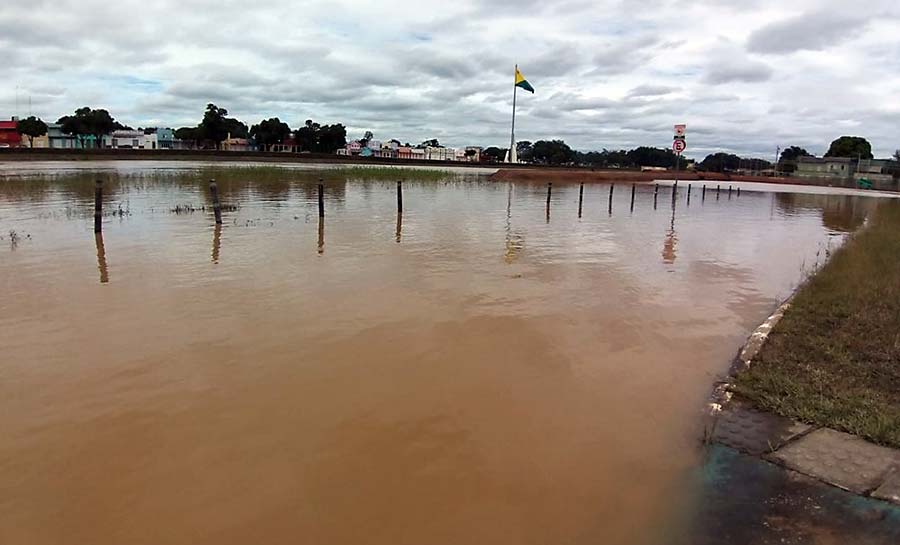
(678, 146)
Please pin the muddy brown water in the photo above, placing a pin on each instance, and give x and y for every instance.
(473, 372)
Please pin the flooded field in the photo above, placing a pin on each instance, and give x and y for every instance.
(477, 370)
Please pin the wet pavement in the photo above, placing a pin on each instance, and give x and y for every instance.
(743, 499)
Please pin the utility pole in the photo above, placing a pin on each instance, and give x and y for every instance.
(777, 154)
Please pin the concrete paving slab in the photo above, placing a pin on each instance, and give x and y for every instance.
(755, 432)
(840, 459)
(739, 499)
(890, 488)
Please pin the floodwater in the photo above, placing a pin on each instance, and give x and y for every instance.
(475, 371)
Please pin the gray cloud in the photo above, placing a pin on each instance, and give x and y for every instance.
(608, 73)
(651, 90)
(810, 31)
(747, 72)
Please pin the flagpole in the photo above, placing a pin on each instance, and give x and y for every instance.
(512, 133)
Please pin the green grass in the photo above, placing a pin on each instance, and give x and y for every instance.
(834, 359)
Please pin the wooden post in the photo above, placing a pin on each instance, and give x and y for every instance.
(98, 206)
(632, 197)
(718, 190)
(399, 197)
(217, 208)
(729, 192)
(739, 191)
(580, 198)
(689, 195)
(656, 190)
(321, 199)
(704, 192)
(611, 187)
(549, 190)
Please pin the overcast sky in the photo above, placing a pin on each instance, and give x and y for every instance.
(745, 76)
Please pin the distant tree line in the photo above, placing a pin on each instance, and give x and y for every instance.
(215, 127)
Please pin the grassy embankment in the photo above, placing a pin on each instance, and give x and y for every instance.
(834, 359)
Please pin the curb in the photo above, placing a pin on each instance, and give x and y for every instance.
(721, 393)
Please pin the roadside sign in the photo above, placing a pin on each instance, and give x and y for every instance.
(679, 146)
(680, 129)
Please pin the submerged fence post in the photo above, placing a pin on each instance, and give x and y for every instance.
(718, 190)
(632, 197)
(704, 193)
(321, 199)
(549, 190)
(399, 197)
(611, 187)
(729, 192)
(217, 208)
(739, 191)
(580, 198)
(98, 206)
(689, 195)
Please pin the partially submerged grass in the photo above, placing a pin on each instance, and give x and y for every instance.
(834, 359)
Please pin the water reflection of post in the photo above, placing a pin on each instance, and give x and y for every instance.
(399, 225)
(668, 253)
(549, 191)
(217, 242)
(101, 258)
(321, 235)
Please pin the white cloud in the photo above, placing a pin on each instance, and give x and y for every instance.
(744, 76)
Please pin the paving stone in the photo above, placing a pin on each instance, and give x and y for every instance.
(890, 488)
(754, 432)
(840, 459)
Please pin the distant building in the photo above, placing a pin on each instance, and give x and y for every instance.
(473, 154)
(235, 144)
(9, 134)
(129, 139)
(838, 168)
(57, 139)
(877, 171)
(433, 153)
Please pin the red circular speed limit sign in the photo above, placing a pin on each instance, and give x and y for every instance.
(679, 146)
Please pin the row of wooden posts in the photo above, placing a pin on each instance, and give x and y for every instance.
(217, 207)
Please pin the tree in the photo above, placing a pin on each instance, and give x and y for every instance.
(524, 151)
(317, 138)
(235, 128)
(552, 152)
(189, 134)
(897, 156)
(270, 132)
(651, 157)
(32, 127)
(213, 127)
(433, 143)
(493, 154)
(364, 141)
(793, 153)
(720, 162)
(332, 138)
(87, 122)
(850, 146)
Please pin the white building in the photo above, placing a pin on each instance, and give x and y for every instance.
(125, 139)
